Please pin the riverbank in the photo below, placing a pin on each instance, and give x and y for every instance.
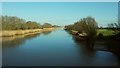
(9, 33)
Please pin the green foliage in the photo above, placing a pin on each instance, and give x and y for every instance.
(105, 32)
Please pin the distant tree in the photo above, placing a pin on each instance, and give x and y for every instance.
(79, 26)
(11, 22)
(100, 27)
(0, 23)
(55, 26)
(111, 26)
(15, 23)
(33, 25)
(115, 26)
(47, 25)
(69, 27)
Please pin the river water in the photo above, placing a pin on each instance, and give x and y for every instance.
(53, 48)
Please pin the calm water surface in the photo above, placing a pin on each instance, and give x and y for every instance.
(56, 48)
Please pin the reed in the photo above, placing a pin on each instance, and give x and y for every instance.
(9, 33)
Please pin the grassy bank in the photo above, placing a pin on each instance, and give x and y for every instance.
(105, 32)
(9, 33)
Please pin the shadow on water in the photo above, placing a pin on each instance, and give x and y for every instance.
(91, 48)
(15, 41)
(110, 45)
(87, 45)
(113, 45)
(58, 48)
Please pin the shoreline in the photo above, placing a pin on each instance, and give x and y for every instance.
(10, 33)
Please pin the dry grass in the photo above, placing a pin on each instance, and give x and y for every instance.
(10, 33)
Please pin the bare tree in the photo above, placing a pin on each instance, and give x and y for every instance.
(90, 26)
(87, 25)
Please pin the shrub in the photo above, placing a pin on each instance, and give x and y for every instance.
(47, 25)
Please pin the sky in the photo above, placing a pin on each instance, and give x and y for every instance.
(59, 0)
(62, 13)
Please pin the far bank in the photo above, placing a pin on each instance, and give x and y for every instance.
(9, 33)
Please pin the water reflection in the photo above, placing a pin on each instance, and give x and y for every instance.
(85, 45)
(56, 48)
(94, 56)
(114, 46)
(91, 44)
(16, 41)
(46, 32)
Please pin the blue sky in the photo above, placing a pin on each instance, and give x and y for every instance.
(62, 13)
(59, 0)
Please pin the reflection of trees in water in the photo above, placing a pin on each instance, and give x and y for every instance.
(112, 43)
(88, 50)
(86, 45)
(86, 42)
(46, 32)
(16, 41)
(113, 46)
(19, 40)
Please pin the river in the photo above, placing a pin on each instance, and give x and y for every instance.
(53, 48)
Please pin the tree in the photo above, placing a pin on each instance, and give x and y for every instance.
(11, 22)
(87, 25)
(47, 25)
(55, 26)
(15, 23)
(90, 26)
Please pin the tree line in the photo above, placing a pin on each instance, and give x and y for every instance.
(85, 25)
(89, 25)
(15, 23)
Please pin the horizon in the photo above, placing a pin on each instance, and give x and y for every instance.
(62, 13)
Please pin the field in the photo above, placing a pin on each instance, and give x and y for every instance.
(105, 32)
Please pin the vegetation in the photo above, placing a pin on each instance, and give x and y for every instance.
(47, 25)
(105, 32)
(89, 26)
(86, 25)
(12, 25)
(15, 23)
(33, 25)
(56, 26)
(109, 36)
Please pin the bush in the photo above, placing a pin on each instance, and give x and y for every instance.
(86, 25)
(15, 23)
(47, 25)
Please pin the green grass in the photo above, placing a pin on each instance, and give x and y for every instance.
(105, 32)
